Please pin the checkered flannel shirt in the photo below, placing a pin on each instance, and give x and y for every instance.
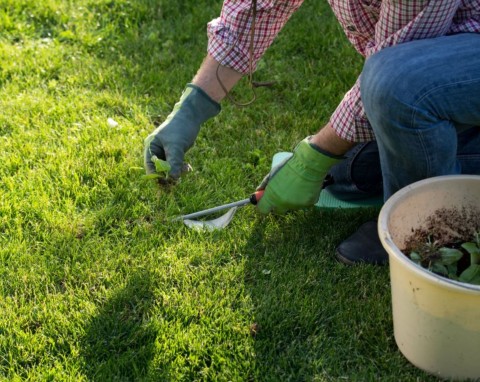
(370, 25)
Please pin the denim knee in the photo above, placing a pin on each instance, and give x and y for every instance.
(406, 81)
(418, 104)
(373, 82)
(384, 83)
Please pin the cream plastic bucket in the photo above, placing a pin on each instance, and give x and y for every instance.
(436, 320)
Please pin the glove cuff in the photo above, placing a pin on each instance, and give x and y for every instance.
(189, 113)
(202, 106)
(314, 160)
(324, 152)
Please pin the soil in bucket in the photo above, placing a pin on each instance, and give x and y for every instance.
(445, 228)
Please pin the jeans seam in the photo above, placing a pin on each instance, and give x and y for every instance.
(435, 89)
(416, 106)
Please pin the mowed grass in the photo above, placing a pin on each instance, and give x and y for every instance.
(96, 282)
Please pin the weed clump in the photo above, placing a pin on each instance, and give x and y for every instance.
(448, 244)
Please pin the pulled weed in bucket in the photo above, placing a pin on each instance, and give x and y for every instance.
(449, 245)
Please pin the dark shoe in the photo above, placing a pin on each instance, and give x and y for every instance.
(363, 246)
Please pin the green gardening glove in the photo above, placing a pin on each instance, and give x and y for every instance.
(171, 140)
(296, 183)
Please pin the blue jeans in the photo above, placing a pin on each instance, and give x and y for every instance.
(422, 99)
(359, 176)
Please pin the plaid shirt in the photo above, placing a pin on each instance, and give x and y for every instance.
(370, 25)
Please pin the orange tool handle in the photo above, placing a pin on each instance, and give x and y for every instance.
(256, 196)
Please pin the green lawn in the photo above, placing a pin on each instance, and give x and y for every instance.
(96, 282)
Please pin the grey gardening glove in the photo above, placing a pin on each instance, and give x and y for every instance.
(171, 140)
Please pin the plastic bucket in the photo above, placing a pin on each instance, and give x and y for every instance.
(436, 320)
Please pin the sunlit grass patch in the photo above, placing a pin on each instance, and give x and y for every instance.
(97, 282)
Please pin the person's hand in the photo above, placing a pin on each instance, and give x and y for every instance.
(296, 182)
(171, 140)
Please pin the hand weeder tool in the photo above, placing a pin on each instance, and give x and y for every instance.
(223, 220)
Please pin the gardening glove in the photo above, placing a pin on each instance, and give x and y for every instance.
(171, 140)
(296, 182)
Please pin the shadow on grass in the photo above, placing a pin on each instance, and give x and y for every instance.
(317, 319)
(119, 343)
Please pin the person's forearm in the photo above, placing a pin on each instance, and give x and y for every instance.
(328, 140)
(206, 78)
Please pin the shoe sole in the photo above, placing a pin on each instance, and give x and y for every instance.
(344, 260)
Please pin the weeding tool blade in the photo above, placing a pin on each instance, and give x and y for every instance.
(211, 225)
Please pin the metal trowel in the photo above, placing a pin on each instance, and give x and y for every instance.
(223, 220)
